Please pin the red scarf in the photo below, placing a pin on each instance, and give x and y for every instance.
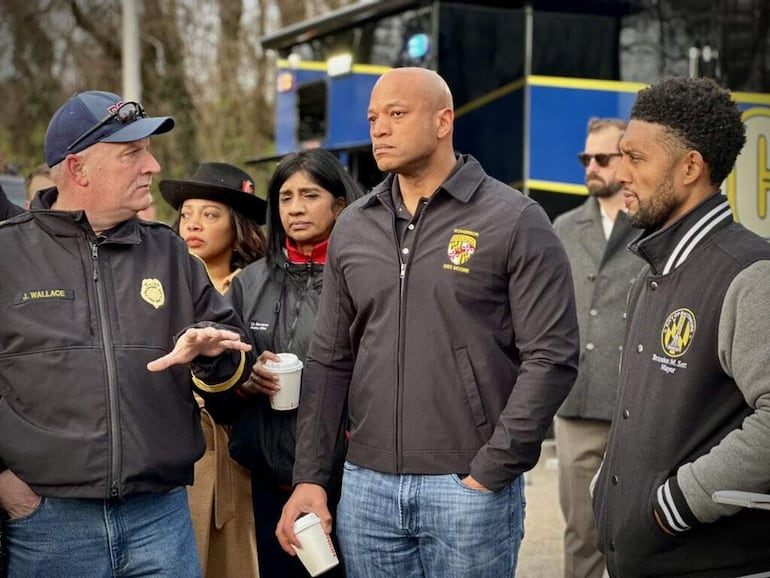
(318, 255)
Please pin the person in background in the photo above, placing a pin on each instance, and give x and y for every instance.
(38, 179)
(692, 415)
(7, 208)
(447, 335)
(101, 329)
(595, 236)
(219, 217)
(278, 299)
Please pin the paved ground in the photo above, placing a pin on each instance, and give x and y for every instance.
(541, 552)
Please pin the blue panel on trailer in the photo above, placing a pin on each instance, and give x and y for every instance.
(558, 121)
(286, 105)
(499, 150)
(348, 103)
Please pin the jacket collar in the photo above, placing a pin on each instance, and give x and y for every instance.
(75, 223)
(461, 184)
(667, 249)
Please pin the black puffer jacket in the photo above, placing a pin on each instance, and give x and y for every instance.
(279, 311)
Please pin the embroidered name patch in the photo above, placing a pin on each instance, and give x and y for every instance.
(44, 295)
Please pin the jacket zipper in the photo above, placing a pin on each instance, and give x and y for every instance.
(401, 323)
(109, 359)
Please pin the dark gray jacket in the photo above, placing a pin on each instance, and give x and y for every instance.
(458, 364)
(80, 414)
(603, 271)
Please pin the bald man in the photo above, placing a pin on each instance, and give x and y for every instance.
(443, 290)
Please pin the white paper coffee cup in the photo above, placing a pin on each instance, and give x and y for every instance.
(317, 551)
(289, 371)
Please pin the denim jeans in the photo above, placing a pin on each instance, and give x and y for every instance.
(415, 526)
(141, 535)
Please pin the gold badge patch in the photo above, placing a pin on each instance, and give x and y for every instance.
(152, 292)
(678, 332)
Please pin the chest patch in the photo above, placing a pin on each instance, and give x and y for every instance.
(152, 292)
(461, 247)
(678, 332)
(45, 295)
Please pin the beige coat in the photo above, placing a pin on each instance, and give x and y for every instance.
(221, 509)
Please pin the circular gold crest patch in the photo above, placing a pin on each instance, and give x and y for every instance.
(678, 332)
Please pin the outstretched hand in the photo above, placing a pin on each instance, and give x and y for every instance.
(206, 341)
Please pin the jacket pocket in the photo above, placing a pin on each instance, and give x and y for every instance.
(468, 379)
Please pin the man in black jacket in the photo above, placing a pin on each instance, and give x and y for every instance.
(99, 430)
(447, 329)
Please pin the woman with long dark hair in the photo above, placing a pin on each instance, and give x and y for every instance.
(278, 300)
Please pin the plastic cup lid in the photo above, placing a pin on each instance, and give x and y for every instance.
(305, 522)
(289, 362)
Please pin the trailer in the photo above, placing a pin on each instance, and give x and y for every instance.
(526, 77)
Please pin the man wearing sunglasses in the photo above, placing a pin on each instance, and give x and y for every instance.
(101, 315)
(595, 236)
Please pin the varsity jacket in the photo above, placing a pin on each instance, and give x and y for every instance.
(452, 362)
(693, 409)
(80, 414)
(603, 271)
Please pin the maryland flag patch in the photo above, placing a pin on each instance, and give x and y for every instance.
(461, 247)
(678, 332)
(152, 292)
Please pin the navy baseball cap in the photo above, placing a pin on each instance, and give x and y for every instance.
(96, 116)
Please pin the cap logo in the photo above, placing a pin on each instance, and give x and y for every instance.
(114, 107)
(247, 186)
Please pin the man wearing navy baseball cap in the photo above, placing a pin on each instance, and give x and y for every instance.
(107, 329)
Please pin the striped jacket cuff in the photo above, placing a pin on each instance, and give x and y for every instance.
(672, 508)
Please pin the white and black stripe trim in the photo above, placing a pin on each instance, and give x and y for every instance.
(668, 507)
(696, 234)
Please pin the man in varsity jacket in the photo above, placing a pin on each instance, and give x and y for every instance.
(694, 410)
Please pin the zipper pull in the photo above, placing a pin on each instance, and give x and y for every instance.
(95, 257)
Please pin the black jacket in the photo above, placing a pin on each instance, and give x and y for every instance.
(80, 415)
(279, 310)
(453, 362)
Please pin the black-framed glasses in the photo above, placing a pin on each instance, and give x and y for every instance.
(602, 159)
(124, 113)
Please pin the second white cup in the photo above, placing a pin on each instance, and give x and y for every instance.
(317, 552)
(289, 371)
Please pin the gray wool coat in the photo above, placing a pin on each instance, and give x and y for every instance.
(603, 272)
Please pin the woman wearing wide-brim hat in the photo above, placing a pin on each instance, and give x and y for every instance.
(219, 217)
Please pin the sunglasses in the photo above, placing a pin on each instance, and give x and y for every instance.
(602, 159)
(124, 113)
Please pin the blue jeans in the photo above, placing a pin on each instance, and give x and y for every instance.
(141, 535)
(415, 526)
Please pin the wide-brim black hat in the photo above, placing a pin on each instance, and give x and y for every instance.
(220, 182)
